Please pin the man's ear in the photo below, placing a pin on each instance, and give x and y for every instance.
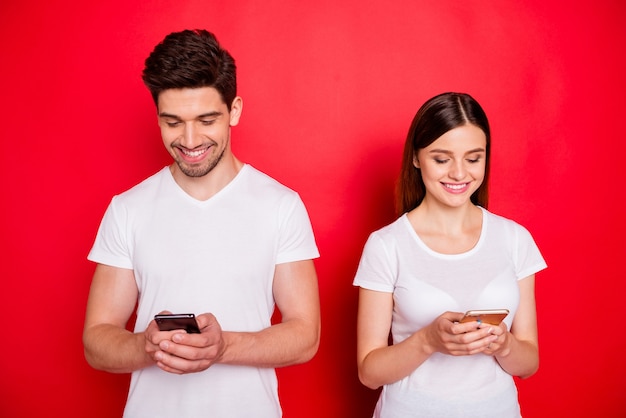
(235, 111)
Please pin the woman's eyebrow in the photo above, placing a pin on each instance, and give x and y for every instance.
(475, 150)
(445, 151)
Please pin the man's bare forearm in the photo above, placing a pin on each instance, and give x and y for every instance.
(280, 345)
(114, 349)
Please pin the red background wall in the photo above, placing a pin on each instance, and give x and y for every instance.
(329, 89)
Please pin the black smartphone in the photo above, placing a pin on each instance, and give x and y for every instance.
(169, 322)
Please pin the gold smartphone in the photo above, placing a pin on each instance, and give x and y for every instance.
(486, 316)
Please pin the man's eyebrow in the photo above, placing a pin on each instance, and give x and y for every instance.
(168, 115)
(204, 115)
(213, 114)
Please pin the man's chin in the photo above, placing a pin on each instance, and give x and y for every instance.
(196, 170)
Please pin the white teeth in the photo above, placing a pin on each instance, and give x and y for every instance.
(194, 153)
(455, 186)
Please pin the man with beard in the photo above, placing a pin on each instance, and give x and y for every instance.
(209, 235)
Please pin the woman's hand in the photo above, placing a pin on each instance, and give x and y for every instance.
(446, 335)
(501, 344)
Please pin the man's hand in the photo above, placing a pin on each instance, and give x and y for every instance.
(178, 352)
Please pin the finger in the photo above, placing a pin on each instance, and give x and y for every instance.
(179, 365)
(169, 369)
(489, 349)
(494, 329)
(476, 335)
(452, 316)
(492, 345)
(479, 341)
(166, 363)
(207, 338)
(206, 320)
(153, 336)
(466, 327)
(192, 347)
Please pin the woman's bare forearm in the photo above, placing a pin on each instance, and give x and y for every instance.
(521, 358)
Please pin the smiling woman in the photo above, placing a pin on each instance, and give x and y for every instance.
(446, 255)
(453, 167)
(444, 117)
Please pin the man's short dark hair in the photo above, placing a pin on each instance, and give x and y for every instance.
(191, 59)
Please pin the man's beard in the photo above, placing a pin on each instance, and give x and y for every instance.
(200, 170)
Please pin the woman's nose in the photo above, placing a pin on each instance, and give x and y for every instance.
(457, 171)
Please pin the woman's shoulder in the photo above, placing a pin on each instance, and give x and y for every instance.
(502, 223)
(392, 232)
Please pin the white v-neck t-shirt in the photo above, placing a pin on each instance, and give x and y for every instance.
(217, 256)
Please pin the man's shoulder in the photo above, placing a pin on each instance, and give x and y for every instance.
(145, 187)
(260, 179)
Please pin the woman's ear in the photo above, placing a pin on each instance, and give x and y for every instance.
(416, 162)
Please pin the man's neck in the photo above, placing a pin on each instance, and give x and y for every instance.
(205, 187)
